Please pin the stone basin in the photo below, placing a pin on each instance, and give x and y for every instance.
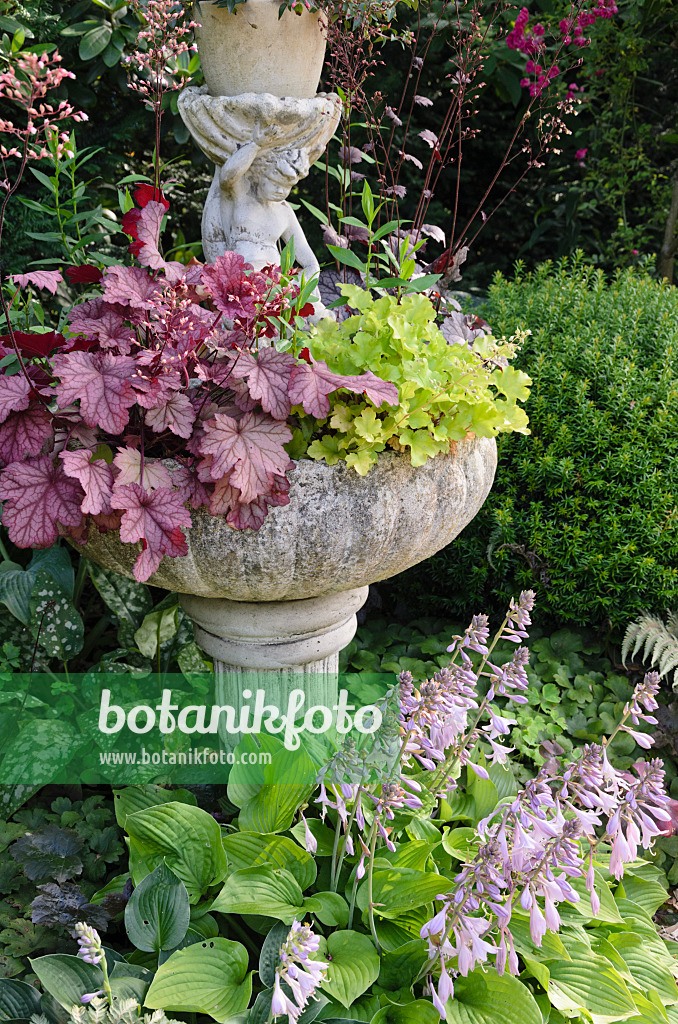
(339, 532)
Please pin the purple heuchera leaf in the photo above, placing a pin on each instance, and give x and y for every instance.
(130, 286)
(24, 433)
(268, 378)
(177, 415)
(38, 495)
(14, 395)
(95, 476)
(252, 448)
(97, 319)
(248, 515)
(156, 520)
(101, 382)
(49, 279)
(311, 383)
(233, 293)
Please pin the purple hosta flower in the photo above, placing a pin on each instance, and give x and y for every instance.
(475, 636)
(297, 972)
(511, 677)
(634, 823)
(89, 942)
(434, 716)
(644, 697)
(518, 616)
(309, 839)
(89, 996)
(393, 797)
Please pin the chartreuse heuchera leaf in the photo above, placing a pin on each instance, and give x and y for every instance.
(208, 977)
(446, 392)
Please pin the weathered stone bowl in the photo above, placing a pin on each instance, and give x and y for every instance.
(339, 532)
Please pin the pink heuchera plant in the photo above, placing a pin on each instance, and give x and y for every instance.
(162, 398)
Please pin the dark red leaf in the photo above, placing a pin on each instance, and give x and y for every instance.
(84, 274)
(145, 194)
(35, 344)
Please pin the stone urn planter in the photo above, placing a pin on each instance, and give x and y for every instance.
(282, 601)
(254, 50)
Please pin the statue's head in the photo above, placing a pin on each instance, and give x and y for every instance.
(279, 171)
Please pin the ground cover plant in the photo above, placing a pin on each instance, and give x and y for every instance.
(583, 510)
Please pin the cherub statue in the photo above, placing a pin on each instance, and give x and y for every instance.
(262, 146)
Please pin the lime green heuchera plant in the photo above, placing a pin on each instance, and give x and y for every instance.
(432, 887)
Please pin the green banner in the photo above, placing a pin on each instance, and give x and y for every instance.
(125, 729)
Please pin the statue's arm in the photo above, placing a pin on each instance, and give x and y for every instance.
(232, 170)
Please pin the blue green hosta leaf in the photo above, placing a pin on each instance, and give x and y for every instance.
(56, 562)
(158, 913)
(354, 965)
(54, 619)
(589, 983)
(323, 836)
(66, 978)
(17, 999)
(268, 892)
(15, 590)
(187, 837)
(208, 977)
(402, 966)
(249, 849)
(269, 958)
(486, 998)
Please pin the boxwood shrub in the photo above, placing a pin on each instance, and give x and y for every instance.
(585, 510)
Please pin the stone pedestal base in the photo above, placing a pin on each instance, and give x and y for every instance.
(275, 646)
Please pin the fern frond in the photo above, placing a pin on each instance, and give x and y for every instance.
(659, 641)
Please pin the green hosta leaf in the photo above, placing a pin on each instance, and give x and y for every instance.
(268, 892)
(158, 912)
(323, 836)
(552, 945)
(354, 966)
(208, 977)
(130, 982)
(189, 839)
(333, 909)
(136, 798)
(54, 619)
(401, 967)
(461, 842)
(486, 998)
(649, 964)
(419, 1011)
(156, 629)
(129, 600)
(589, 983)
(649, 1012)
(269, 794)
(249, 849)
(17, 999)
(399, 890)
(66, 978)
(57, 563)
(644, 892)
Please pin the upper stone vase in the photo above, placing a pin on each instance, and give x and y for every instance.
(255, 50)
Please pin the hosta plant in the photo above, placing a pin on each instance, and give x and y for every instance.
(440, 889)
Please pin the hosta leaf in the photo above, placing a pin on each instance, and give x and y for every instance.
(589, 983)
(354, 966)
(66, 978)
(333, 909)
(269, 958)
(17, 999)
(268, 892)
(136, 798)
(644, 892)
(649, 964)
(269, 794)
(419, 1011)
(249, 849)
(486, 998)
(189, 839)
(399, 890)
(208, 977)
(158, 913)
